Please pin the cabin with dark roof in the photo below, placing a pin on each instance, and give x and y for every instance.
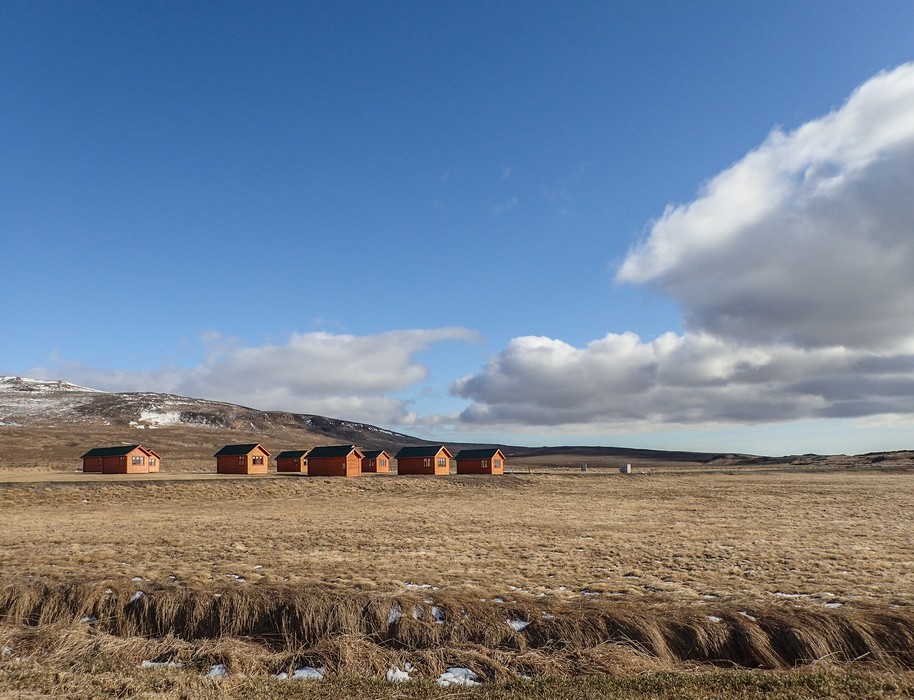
(488, 460)
(123, 459)
(335, 460)
(376, 461)
(292, 461)
(431, 460)
(242, 459)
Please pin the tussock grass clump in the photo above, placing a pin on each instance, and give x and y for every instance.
(268, 629)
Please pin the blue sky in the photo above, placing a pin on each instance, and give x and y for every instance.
(470, 220)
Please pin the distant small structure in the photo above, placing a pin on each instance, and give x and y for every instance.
(375, 461)
(335, 460)
(625, 469)
(430, 460)
(584, 467)
(242, 459)
(488, 460)
(123, 459)
(292, 461)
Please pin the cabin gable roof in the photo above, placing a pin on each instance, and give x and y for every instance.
(422, 451)
(119, 451)
(229, 450)
(334, 451)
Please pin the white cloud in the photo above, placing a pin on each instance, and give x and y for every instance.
(505, 206)
(809, 239)
(794, 269)
(338, 375)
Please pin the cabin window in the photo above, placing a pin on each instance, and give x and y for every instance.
(483, 463)
(152, 461)
(497, 463)
(382, 462)
(442, 462)
(428, 463)
(258, 459)
(138, 460)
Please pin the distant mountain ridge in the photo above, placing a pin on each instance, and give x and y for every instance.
(36, 401)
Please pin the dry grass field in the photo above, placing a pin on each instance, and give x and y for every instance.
(542, 575)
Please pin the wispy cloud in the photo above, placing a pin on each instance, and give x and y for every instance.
(793, 269)
(505, 206)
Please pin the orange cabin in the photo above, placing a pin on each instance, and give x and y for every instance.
(335, 460)
(432, 460)
(124, 459)
(292, 461)
(376, 461)
(242, 459)
(484, 461)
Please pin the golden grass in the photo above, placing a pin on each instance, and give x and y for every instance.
(616, 575)
(826, 537)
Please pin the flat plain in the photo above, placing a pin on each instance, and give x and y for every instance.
(571, 579)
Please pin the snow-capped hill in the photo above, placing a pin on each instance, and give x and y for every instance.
(40, 385)
(39, 403)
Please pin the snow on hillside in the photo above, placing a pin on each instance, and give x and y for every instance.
(24, 399)
(8, 383)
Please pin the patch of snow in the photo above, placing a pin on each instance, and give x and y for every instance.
(154, 419)
(6, 651)
(89, 619)
(586, 592)
(410, 584)
(309, 673)
(524, 677)
(457, 675)
(218, 671)
(710, 596)
(791, 595)
(137, 578)
(438, 614)
(136, 597)
(395, 675)
(547, 616)
(834, 604)
(518, 625)
(498, 599)
(417, 612)
(161, 664)
(396, 612)
(715, 618)
(748, 616)
(258, 566)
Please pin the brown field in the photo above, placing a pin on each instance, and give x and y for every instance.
(671, 570)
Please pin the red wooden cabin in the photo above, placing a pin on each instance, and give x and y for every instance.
(335, 460)
(292, 461)
(376, 461)
(433, 460)
(124, 459)
(488, 460)
(242, 459)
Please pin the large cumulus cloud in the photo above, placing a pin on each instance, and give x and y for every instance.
(794, 270)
